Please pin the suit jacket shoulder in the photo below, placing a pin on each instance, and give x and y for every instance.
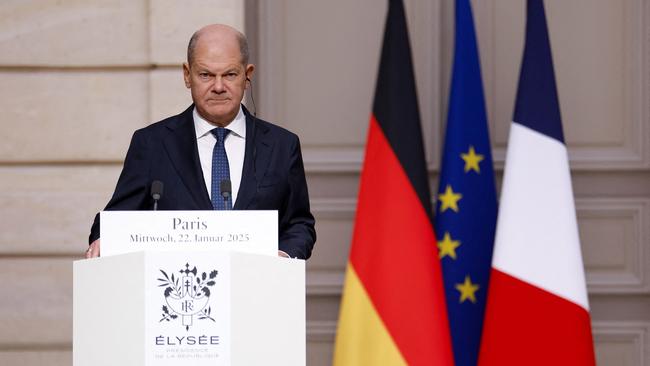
(161, 128)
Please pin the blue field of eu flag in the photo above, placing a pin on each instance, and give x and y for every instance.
(466, 208)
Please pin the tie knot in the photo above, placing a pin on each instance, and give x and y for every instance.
(220, 133)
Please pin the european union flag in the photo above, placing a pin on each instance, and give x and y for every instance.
(467, 206)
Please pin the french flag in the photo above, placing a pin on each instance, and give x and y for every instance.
(537, 310)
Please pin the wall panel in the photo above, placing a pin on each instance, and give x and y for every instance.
(51, 33)
(54, 357)
(69, 116)
(317, 76)
(39, 310)
(600, 72)
(622, 343)
(614, 236)
(168, 95)
(51, 207)
(171, 24)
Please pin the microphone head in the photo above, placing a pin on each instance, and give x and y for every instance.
(156, 189)
(226, 188)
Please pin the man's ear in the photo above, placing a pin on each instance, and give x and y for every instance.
(186, 75)
(250, 70)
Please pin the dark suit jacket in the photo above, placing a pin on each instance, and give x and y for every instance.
(273, 177)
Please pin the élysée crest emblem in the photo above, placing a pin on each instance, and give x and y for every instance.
(187, 295)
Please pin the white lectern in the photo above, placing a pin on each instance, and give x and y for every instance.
(189, 307)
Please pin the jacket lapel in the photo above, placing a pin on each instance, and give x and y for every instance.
(256, 161)
(183, 153)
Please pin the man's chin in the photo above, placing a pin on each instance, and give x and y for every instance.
(223, 114)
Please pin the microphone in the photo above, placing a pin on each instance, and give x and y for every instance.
(252, 97)
(156, 192)
(226, 189)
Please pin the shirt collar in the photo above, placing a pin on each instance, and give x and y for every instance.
(236, 127)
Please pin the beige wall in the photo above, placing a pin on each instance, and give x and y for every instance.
(77, 77)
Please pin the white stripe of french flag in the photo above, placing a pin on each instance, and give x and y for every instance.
(537, 233)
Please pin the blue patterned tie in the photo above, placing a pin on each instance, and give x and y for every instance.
(220, 170)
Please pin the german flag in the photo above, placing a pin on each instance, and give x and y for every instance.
(393, 308)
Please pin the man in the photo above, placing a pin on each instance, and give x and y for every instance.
(262, 161)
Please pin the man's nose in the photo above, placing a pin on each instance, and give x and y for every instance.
(218, 86)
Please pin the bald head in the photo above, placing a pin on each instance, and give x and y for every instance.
(218, 33)
(217, 72)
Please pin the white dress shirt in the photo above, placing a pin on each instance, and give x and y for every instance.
(235, 145)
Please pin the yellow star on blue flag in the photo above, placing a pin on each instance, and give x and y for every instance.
(472, 160)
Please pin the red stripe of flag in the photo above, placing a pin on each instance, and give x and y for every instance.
(395, 257)
(540, 328)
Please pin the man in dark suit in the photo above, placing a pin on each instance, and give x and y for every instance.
(215, 140)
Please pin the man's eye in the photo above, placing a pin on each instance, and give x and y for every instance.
(204, 75)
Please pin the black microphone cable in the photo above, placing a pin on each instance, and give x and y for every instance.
(252, 97)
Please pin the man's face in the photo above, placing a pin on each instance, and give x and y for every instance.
(217, 78)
